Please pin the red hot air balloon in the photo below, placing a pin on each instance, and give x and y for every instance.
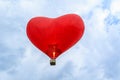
(53, 36)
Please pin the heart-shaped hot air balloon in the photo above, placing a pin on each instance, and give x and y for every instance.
(53, 36)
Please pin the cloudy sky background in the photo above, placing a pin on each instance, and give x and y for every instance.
(95, 57)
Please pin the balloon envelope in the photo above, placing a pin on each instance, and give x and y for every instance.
(53, 36)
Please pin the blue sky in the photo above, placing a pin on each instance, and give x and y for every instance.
(95, 57)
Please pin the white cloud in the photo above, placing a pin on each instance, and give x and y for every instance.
(115, 9)
(79, 6)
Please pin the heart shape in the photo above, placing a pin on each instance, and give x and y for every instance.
(53, 36)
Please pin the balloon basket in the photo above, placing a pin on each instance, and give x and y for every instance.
(52, 62)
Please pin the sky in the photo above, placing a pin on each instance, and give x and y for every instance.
(95, 57)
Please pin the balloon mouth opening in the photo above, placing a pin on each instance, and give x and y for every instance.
(53, 51)
(52, 62)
